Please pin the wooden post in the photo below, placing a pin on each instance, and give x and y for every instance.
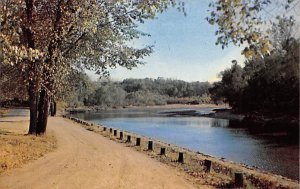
(238, 180)
(104, 128)
(138, 141)
(121, 135)
(128, 138)
(115, 132)
(207, 165)
(180, 157)
(150, 145)
(162, 151)
(110, 130)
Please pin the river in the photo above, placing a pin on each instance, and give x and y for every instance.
(276, 152)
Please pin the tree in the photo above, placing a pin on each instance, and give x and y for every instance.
(241, 22)
(231, 86)
(277, 81)
(46, 40)
(11, 84)
(268, 85)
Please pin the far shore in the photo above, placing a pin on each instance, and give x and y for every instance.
(95, 108)
(190, 106)
(221, 111)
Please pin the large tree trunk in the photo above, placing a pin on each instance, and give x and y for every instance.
(32, 90)
(43, 110)
(33, 99)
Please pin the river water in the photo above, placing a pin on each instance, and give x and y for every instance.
(276, 152)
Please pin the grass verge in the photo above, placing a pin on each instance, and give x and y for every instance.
(18, 149)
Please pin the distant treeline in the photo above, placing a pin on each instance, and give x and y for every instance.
(141, 92)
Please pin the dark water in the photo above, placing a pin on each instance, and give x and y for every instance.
(275, 152)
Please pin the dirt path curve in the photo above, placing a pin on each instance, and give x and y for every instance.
(88, 160)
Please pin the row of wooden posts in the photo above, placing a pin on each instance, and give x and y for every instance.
(150, 144)
(238, 176)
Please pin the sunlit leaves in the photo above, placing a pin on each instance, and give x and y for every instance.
(240, 22)
(70, 35)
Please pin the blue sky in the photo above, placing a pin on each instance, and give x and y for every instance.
(184, 47)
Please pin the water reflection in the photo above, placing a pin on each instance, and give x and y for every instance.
(277, 152)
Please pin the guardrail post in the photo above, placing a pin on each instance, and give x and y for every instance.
(121, 135)
(150, 145)
(207, 165)
(180, 157)
(238, 179)
(128, 139)
(138, 141)
(115, 132)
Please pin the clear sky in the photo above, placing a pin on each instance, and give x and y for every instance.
(184, 47)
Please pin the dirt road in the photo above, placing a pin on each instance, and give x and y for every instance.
(88, 160)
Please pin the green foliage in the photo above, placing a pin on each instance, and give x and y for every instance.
(267, 86)
(172, 88)
(107, 94)
(144, 92)
(139, 98)
(276, 84)
(231, 86)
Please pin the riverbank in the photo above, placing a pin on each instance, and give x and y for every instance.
(224, 113)
(221, 175)
(219, 111)
(84, 159)
(168, 106)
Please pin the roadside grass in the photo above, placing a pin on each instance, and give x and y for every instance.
(18, 149)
